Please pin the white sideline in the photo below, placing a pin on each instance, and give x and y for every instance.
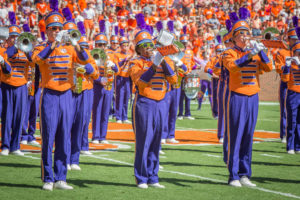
(190, 175)
(269, 155)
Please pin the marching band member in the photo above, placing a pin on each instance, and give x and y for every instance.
(290, 75)
(87, 86)
(188, 61)
(103, 90)
(80, 101)
(14, 91)
(225, 78)
(173, 95)
(150, 78)
(209, 68)
(56, 65)
(220, 89)
(113, 50)
(34, 94)
(122, 80)
(279, 63)
(244, 66)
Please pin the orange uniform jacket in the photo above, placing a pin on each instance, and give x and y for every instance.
(280, 59)
(157, 86)
(188, 59)
(19, 69)
(57, 69)
(244, 80)
(292, 78)
(124, 69)
(87, 80)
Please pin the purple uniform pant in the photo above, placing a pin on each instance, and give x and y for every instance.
(56, 117)
(214, 85)
(100, 112)
(282, 98)
(148, 116)
(187, 109)
(221, 108)
(293, 120)
(85, 134)
(205, 85)
(13, 114)
(33, 103)
(122, 97)
(243, 111)
(172, 99)
(225, 142)
(80, 111)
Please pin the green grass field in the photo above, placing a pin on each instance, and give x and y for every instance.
(190, 172)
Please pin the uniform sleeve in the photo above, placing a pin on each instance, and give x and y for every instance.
(95, 73)
(230, 60)
(39, 54)
(279, 62)
(265, 64)
(135, 73)
(169, 68)
(81, 57)
(285, 76)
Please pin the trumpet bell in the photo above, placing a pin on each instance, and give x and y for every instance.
(75, 35)
(25, 42)
(99, 56)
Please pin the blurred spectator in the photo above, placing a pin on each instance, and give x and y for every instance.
(214, 24)
(186, 7)
(78, 17)
(42, 9)
(89, 16)
(256, 25)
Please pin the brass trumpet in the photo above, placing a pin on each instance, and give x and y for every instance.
(100, 56)
(25, 42)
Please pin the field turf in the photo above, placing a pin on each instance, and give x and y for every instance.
(190, 172)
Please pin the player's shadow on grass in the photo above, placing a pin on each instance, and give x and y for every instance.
(104, 164)
(195, 150)
(278, 180)
(21, 185)
(274, 164)
(185, 182)
(188, 164)
(19, 165)
(85, 183)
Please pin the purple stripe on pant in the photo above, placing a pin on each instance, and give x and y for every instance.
(293, 120)
(13, 114)
(225, 104)
(85, 135)
(221, 109)
(205, 85)
(148, 116)
(172, 99)
(56, 117)
(243, 111)
(30, 116)
(80, 111)
(122, 97)
(100, 113)
(214, 82)
(282, 98)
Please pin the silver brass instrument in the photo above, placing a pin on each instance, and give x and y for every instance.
(25, 42)
(4, 33)
(99, 56)
(73, 35)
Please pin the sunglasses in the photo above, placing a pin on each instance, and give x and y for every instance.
(55, 28)
(100, 45)
(243, 33)
(147, 45)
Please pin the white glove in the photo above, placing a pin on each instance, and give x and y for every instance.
(157, 59)
(60, 35)
(1, 60)
(103, 81)
(73, 42)
(288, 61)
(296, 60)
(260, 46)
(29, 83)
(110, 63)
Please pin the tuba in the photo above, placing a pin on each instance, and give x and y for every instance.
(25, 42)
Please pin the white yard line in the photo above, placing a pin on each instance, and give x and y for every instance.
(269, 155)
(211, 155)
(189, 175)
